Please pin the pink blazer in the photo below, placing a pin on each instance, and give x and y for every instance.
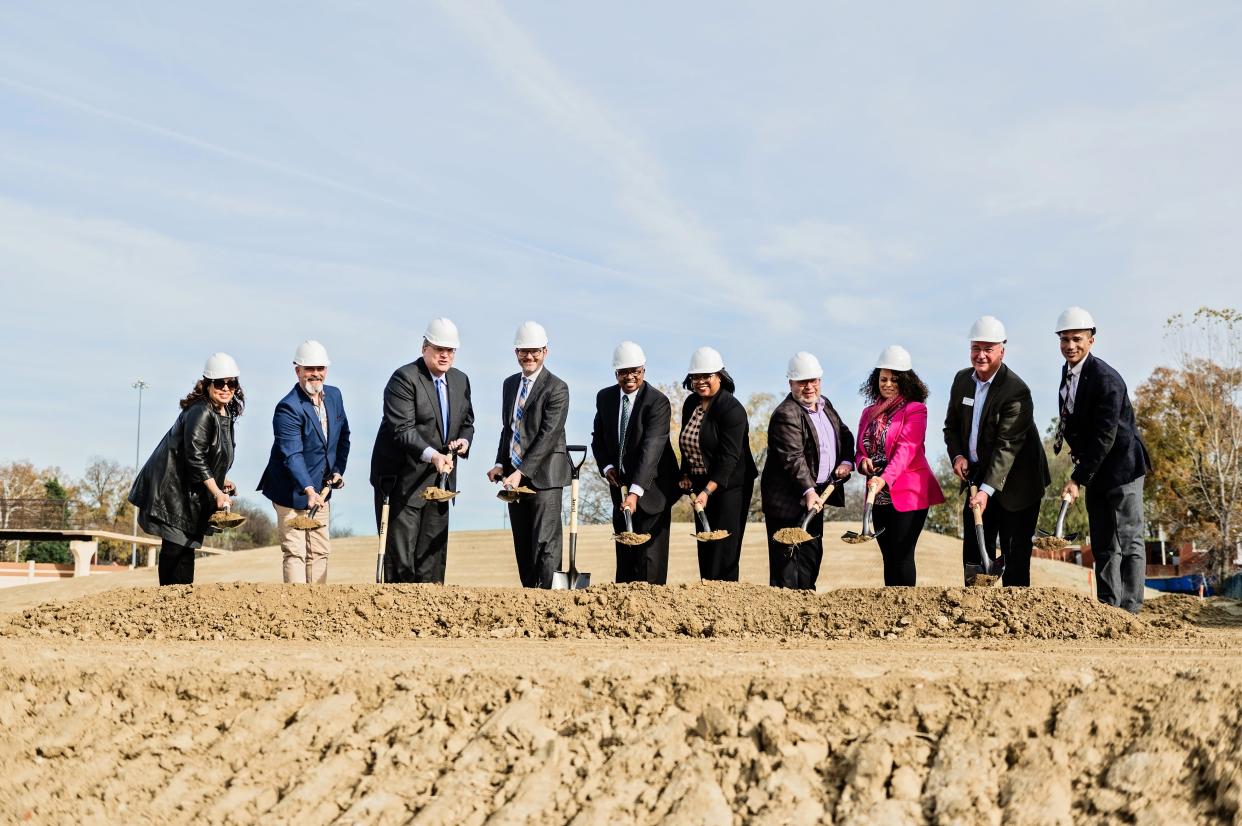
(909, 478)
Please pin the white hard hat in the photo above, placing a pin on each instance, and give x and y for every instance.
(804, 366)
(311, 354)
(220, 366)
(1074, 318)
(705, 360)
(628, 354)
(988, 328)
(442, 333)
(530, 336)
(895, 357)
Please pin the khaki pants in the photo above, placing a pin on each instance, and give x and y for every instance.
(305, 552)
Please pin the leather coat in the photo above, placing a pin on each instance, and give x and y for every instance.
(170, 488)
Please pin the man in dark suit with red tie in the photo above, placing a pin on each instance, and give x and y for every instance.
(630, 443)
(1110, 460)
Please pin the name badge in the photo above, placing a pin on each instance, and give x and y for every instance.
(968, 401)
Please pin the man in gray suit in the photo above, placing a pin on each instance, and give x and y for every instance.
(534, 406)
(428, 419)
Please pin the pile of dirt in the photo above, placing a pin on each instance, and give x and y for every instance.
(244, 611)
(1182, 610)
(387, 736)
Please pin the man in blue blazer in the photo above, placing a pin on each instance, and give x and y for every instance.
(309, 453)
(1110, 460)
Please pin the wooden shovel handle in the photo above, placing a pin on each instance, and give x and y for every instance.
(323, 494)
(976, 509)
(823, 497)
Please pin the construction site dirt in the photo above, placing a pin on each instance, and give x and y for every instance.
(242, 702)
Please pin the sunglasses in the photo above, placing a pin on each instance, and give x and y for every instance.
(220, 384)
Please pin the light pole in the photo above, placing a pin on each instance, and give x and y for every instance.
(139, 385)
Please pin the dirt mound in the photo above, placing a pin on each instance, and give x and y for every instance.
(534, 733)
(1182, 610)
(244, 611)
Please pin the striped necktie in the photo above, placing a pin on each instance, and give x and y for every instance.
(1063, 411)
(625, 425)
(442, 394)
(515, 444)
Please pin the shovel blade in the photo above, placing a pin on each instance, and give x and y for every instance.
(570, 581)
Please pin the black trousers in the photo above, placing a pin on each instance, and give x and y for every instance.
(417, 546)
(795, 566)
(726, 510)
(536, 526)
(1014, 529)
(176, 564)
(647, 562)
(901, 531)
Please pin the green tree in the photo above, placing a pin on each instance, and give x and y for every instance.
(52, 551)
(1191, 418)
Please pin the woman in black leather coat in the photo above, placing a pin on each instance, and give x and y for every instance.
(186, 479)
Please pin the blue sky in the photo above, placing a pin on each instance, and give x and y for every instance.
(177, 179)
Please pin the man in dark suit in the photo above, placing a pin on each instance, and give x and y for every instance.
(808, 449)
(428, 420)
(1110, 460)
(309, 452)
(630, 443)
(990, 432)
(534, 407)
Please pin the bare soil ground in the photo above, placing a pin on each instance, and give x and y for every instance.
(240, 702)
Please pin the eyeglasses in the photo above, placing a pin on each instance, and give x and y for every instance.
(630, 371)
(701, 378)
(221, 384)
(529, 351)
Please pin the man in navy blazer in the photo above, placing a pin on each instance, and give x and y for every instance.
(309, 453)
(1110, 460)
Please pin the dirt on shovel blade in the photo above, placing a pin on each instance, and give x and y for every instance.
(852, 538)
(1050, 543)
(711, 536)
(631, 538)
(226, 519)
(791, 536)
(305, 523)
(438, 494)
(514, 494)
(981, 581)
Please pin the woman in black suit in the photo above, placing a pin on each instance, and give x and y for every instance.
(717, 467)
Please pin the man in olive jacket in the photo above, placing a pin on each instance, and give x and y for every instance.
(990, 433)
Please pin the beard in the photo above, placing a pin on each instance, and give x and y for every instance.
(312, 387)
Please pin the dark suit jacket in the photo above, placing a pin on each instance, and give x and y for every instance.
(412, 422)
(1011, 455)
(545, 463)
(300, 457)
(792, 465)
(649, 459)
(724, 438)
(1101, 432)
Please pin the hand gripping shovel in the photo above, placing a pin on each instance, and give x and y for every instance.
(868, 531)
(628, 537)
(989, 570)
(572, 580)
(440, 492)
(386, 483)
(309, 522)
(793, 537)
(700, 518)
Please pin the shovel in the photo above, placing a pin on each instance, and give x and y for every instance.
(989, 570)
(572, 580)
(793, 537)
(309, 522)
(386, 483)
(225, 519)
(1058, 540)
(440, 493)
(868, 531)
(628, 537)
(700, 517)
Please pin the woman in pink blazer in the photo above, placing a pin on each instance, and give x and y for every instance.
(890, 452)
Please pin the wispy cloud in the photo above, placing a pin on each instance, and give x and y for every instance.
(642, 189)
